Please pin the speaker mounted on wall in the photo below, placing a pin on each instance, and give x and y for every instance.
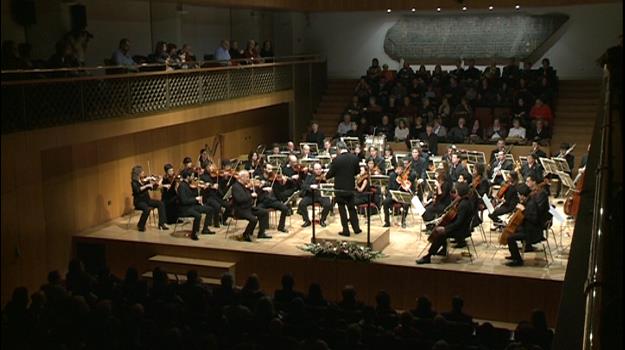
(23, 12)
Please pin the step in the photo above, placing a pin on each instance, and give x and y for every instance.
(579, 82)
(581, 123)
(576, 101)
(205, 267)
(574, 109)
(181, 278)
(327, 116)
(333, 104)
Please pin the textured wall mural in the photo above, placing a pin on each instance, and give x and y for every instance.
(485, 36)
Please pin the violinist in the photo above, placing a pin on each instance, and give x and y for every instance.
(418, 168)
(327, 149)
(268, 196)
(532, 167)
(531, 228)
(389, 158)
(450, 150)
(311, 183)
(458, 228)
(358, 152)
(169, 195)
(290, 148)
(187, 164)
(254, 164)
(441, 198)
(377, 160)
(363, 184)
(479, 187)
(191, 206)
(507, 198)
(500, 163)
(306, 153)
(203, 160)
(343, 169)
(212, 194)
(395, 184)
(244, 207)
(141, 184)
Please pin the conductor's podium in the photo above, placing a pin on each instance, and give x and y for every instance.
(380, 236)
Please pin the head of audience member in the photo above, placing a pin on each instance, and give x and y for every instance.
(172, 49)
(437, 122)
(429, 128)
(314, 293)
(124, 46)
(401, 124)
(160, 48)
(456, 304)
(375, 63)
(471, 63)
(348, 295)
(540, 124)
(539, 102)
(516, 123)
(234, 45)
(385, 120)
(545, 63)
(461, 123)
(267, 45)
(385, 67)
(476, 126)
(354, 126)
(347, 118)
(355, 100)
(372, 101)
(406, 65)
(225, 44)
(314, 127)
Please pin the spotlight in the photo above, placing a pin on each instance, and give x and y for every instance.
(490, 8)
(464, 8)
(517, 7)
(388, 10)
(413, 9)
(438, 9)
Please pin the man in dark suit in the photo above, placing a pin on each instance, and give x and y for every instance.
(456, 169)
(344, 168)
(530, 230)
(315, 135)
(532, 167)
(310, 184)
(539, 153)
(191, 206)
(501, 147)
(418, 168)
(244, 209)
(459, 228)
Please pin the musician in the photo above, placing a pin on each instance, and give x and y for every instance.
(456, 168)
(501, 147)
(377, 160)
(459, 228)
(275, 149)
(344, 168)
(530, 230)
(480, 187)
(203, 160)
(290, 148)
(430, 138)
(499, 164)
(191, 205)
(394, 183)
(315, 135)
(306, 154)
(327, 149)
(254, 164)
(389, 158)
(268, 198)
(244, 208)
(372, 168)
(532, 167)
(363, 184)
(169, 196)
(187, 164)
(212, 196)
(313, 179)
(451, 149)
(284, 190)
(537, 151)
(569, 157)
(509, 200)
(142, 201)
(418, 168)
(359, 153)
(441, 198)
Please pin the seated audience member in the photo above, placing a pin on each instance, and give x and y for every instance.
(417, 127)
(463, 110)
(315, 296)
(222, 53)
(267, 51)
(545, 91)
(439, 129)
(288, 292)
(541, 111)
(456, 314)
(516, 131)
(406, 73)
(427, 111)
(459, 133)
(457, 73)
(423, 74)
(476, 131)
(354, 131)
(354, 108)
(539, 132)
(547, 71)
(345, 126)
(387, 74)
(408, 110)
(348, 301)
(486, 94)
(496, 131)
(521, 110)
(315, 135)
(398, 91)
(160, 53)
(362, 90)
(438, 73)
(172, 52)
(423, 309)
(543, 335)
(511, 72)
(373, 111)
(374, 71)
(401, 131)
(492, 72)
(234, 51)
(251, 292)
(430, 138)
(472, 73)
(363, 127)
(121, 57)
(392, 109)
(385, 128)
(63, 56)
(186, 57)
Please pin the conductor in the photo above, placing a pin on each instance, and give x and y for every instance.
(344, 168)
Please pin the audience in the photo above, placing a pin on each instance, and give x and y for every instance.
(222, 53)
(541, 111)
(516, 131)
(267, 51)
(496, 131)
(345, 126)
(401, 131)
(459, 133)
(121, 57)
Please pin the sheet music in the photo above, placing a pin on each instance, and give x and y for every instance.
(417, 206)
(556, 214)
(488, 204)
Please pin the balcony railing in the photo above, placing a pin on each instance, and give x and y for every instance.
(94, 93)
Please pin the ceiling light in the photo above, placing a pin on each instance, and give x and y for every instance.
(413, 9)
(388, 10)
(490, 8)
(464, 8)
(438, 9)
(517, 7)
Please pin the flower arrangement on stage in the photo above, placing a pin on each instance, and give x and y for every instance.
(342, 250)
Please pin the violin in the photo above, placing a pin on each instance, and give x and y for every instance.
(272, 176)
(361, 178)
(403, 178)
(320, 178)
(152, 179)
(253, 184)
(476, 181)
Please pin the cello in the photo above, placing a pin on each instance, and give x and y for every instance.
(516, 219)
(571, 204)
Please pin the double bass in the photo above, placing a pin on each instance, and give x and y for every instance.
(571, 204)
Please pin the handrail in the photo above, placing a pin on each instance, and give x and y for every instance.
(290, 58)
(594, 280)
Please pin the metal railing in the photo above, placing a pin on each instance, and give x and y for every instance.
(47, 102)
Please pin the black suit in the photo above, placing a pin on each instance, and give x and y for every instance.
(388, 202)
(190, 207)
(317, 138)
(269, 200)
(143, 202)
(536, 170)
(437, 206)
(344, 168)
(459, 228)
(307, 199)
(510, 201)
(456, 171)
(530, 230)
(243, 209)
(431, 140)
(214, 199)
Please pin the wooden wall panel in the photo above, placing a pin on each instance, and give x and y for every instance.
(49, 193)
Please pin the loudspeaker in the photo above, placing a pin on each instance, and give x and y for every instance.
(23, 12)
(78, 16)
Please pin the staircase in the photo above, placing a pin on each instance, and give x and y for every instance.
(336, 97)
(209, 271)
(575, 113)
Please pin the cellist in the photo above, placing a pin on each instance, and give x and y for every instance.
(458, 228)
(509, 199)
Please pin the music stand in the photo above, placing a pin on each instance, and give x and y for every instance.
(291, 198)
(399, 157)
(566, 180)
(324, 159)
(277, 159)
(510, 157)
(379, 180)
(562, 164)
(549, 165)
(431, 185)
(350, 142)
(505, 174)
(308, 162)
(431, 175)
(401, 197)
(314, 148)
(415, 143)
(523, 160)
(323, 190)
(470, 168)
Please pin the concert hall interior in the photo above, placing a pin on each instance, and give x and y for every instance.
(243, 174)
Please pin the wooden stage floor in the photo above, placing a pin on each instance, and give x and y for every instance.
(404, 248)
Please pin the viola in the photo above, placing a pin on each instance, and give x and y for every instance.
(361, 178)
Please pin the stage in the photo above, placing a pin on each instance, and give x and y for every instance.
(491, 290)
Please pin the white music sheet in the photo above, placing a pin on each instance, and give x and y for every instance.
(417, 206)
(487, 203)
(556, 214)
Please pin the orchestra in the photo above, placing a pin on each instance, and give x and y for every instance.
(451, 188)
